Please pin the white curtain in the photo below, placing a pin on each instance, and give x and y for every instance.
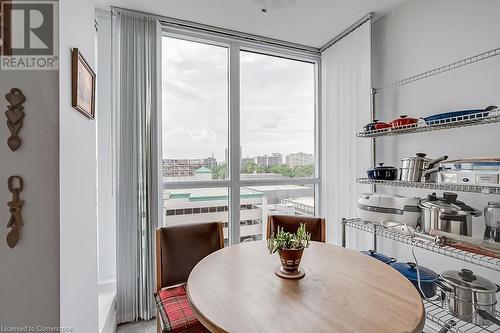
(137, 115)
(346, 83)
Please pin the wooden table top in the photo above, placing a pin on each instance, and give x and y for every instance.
(235, 290)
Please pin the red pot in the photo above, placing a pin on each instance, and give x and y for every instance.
(403, 121)
(290, 259)
(382, 125)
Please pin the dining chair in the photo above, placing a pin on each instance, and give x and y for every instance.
(290, 223)
(178, 249)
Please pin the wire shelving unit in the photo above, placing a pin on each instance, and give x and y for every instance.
(379, 230)
(483, 189)
(475, 119)
(436, 311)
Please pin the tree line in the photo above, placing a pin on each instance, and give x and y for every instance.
(220, 171)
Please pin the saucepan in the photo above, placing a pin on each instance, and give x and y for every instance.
(414, 168)
(470, 297)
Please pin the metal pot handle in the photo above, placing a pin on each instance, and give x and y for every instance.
(443, 285)
(447, 326)
(488, 316)
(437, 160)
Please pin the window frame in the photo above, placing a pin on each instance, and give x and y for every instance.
(233, 182)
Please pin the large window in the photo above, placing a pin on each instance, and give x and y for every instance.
(216, 168)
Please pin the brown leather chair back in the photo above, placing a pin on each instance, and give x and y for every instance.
(179, 248)
(290, 223)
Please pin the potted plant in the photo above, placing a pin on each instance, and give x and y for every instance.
(290, 247)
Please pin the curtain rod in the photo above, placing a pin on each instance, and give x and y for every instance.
(347, 31)
(174, 22)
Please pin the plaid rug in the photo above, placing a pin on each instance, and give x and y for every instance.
(176, 315)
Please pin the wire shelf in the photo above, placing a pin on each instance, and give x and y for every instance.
(480, 118)
(443, 69)
(477, 259)
(438, 313)
(490, 189)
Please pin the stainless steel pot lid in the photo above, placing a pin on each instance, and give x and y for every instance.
(448, 204)
(466, 279)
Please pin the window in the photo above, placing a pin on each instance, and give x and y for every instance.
(195, 110)
(277, 116)
(208, 84)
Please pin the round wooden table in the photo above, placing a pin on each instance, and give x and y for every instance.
(235, 290)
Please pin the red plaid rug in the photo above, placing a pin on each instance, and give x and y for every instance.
(176, 315)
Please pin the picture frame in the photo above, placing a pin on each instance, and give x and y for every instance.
(83, 81)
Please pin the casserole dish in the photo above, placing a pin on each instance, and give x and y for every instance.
(446, 117)
(379, 256)
(403, 120)
(381, 208)
(429, 280)
(376, 125)
(382, 172)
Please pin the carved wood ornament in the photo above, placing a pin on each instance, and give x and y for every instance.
(15, 115)
(15, 184)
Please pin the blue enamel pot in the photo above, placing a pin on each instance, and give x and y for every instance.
(429, 280)
(379, 256)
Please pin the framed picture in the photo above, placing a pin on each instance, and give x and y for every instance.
(82, 85)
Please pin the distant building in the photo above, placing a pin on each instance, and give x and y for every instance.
(298, 206)
(203, 174)
(185, 168)
(275, 159)
(210, 162)
(260, 161)
(299, 159)
(196, 205)
(268, 161)
(211, 205)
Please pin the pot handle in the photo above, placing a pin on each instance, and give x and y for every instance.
(488, 316)
(437, 160)
(498, 287)
(447, 326)
(443, 286)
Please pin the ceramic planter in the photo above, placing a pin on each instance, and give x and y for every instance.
(290, 259)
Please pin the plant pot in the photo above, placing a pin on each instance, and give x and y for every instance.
(290, 260)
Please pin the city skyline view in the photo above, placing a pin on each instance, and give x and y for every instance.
(277, 102)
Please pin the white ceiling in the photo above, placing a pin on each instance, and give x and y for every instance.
(308, 22)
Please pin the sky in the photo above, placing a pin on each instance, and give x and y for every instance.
(276, 102)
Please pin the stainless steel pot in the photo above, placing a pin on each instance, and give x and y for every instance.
(413, 168)
(447, 214)
(470, 297)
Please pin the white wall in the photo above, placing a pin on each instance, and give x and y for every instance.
(78, 179)
(106, 203)
(29, 273)
(418, 36)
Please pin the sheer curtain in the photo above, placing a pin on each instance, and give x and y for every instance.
(137, 117)
(346, 83)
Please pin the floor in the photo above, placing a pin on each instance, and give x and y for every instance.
(138, 327)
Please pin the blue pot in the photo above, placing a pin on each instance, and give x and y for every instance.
(438, 118)
(379, 256)
(429, 280)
